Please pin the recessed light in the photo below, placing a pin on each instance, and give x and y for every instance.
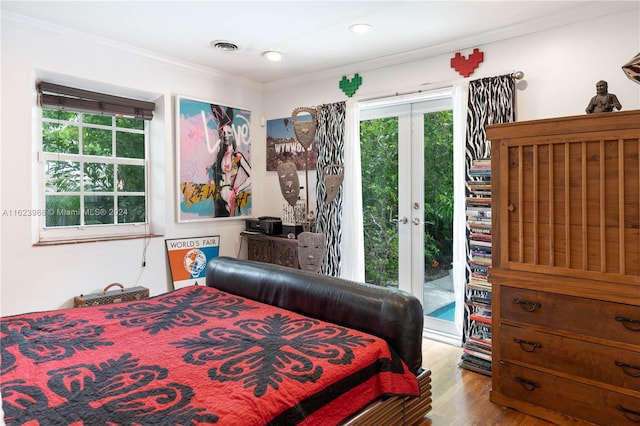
(272, 55)
(360, 28)
(225, 46)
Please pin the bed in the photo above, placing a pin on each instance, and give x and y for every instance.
(255, 344)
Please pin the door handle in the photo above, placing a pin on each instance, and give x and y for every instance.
(416, 221)
(403, 219)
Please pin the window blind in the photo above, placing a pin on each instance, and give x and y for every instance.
(56, 96)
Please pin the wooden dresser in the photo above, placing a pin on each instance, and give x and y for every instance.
(566, 267)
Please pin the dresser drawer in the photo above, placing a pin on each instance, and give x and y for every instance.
(591, 361)
(585, 402)
(612, 321)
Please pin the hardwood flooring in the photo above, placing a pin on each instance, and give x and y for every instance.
(461, 397)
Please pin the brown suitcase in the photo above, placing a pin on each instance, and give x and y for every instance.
(106, 297)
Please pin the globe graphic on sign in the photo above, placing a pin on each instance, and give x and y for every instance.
(194, 262)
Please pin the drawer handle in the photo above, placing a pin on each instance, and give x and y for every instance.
(629, 324)
(527, 384)
(628, 367)
(527, 305)
(527, 346)
(634, 416)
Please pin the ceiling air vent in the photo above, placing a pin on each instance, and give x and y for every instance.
(225, 46)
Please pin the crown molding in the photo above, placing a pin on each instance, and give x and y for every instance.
(27, 22)
(521, 29)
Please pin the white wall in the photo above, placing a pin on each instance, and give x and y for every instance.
(561, 68)
(37, 278)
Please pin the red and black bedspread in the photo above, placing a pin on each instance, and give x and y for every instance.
(194, 356)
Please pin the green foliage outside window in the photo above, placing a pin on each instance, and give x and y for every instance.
(379, 149)
(379, 152)
(90, 173)
(438, 189)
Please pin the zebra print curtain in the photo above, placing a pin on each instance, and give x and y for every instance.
(330, 133)
(491, 101)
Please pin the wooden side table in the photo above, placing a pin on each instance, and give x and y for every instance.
(276, 249)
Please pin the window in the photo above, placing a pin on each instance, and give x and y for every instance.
(94, 174)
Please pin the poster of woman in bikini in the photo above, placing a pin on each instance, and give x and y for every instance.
(214, 160)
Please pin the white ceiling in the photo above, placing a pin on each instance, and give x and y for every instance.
(312, 35)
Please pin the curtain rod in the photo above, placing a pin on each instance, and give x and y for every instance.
(518, 75)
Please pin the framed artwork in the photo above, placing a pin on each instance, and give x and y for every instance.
(282, 145)
(213, 155)
(188, 258)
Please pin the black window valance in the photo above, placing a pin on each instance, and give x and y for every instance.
(54, 96)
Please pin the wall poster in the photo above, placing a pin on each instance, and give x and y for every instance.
(188, 258)
(213, 160)
(283, 146)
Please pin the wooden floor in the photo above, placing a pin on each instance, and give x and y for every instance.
(461, 397)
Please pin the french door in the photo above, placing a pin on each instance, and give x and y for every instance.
(404, 246)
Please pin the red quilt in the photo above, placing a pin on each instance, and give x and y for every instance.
(191, 357)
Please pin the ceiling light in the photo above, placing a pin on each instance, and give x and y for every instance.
(272, 55)
(360, 28)
(225, 46)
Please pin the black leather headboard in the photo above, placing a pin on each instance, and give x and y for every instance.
(391, 314)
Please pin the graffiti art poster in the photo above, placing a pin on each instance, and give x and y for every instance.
(282, 145)
(213, 160)
(188, 258)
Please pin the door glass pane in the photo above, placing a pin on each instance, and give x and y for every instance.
(379, 153)
(438, 215)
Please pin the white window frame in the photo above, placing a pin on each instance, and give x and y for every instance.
(91, 232)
